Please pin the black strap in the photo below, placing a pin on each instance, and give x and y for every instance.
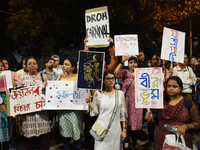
(129, 86)
(188, 105)
(42, 77)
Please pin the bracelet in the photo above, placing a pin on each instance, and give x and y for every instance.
(187, 127)
(122, 62)
(124, 127)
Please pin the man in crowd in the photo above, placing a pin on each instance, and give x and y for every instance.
(22, 71)
(48, 71)
(57, 68)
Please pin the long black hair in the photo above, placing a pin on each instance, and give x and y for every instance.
(105, 74)
(179, 82)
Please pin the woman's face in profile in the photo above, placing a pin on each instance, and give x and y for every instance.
(172, 88)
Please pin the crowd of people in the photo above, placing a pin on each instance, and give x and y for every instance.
(180, 84)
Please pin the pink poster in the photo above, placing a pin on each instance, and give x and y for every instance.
(149, 88)
(5, 80)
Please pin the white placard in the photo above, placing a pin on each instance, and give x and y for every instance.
(173, 45)
(148, 88)
(126, 45)
(64, 95)
(97, 26)
(23, 100)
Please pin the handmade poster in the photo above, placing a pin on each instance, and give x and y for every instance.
(64, 95)
(126, 44)
(97, 27)
(25, 100)
(173, 45)
(149, 88)
(90, 70)
(5, 80)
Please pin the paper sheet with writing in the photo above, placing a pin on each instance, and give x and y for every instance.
(126, 45)
(173, 45)
(97, 26)
(64, 95)
(5, 80)
(148, 88)
(25, 100)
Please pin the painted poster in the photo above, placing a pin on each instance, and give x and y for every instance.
(23, 100)
(126, 45)
(97, 27)
(149, 88)
(5, 80)
(173, 45)
(64, 95)
(90, 70)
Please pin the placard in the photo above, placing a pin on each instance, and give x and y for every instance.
(90, 70)
(126, 45)
(173, 45)
(64, 95)
(97, 27)
(23, 100)
(5, 80)
(149, 88)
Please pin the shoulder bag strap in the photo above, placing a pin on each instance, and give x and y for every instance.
(129, 86)
(114, 110)
(42, 77)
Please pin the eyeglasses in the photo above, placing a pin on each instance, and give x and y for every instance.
(109, 79)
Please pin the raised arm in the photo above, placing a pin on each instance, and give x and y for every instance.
(119, 67)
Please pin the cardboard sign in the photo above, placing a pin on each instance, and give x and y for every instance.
(148, 88)
(126, 45)
(5, 80)
(25, 100)
(62, 95)
(97, 26)
(173, 45)
(90, 70)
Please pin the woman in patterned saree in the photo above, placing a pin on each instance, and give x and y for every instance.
(70, 121)
(175, 113)
(135, 115)
(34, 125)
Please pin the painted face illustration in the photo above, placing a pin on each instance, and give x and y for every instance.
(91, 70)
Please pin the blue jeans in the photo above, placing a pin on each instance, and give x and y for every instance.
(66, 143)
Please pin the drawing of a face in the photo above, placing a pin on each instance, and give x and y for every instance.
(91, 69)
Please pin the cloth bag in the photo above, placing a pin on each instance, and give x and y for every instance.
(97, 131)
(172, 143)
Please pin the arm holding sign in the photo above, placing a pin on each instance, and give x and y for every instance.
(119, 67)
(114, 59)
(3, 107)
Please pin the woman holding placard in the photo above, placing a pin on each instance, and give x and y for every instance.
(70, 121)
(178, 111)
(102, 106)
(135, 115)
(6, 123)
(34, 125)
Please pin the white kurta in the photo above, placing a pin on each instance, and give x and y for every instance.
(103, 107)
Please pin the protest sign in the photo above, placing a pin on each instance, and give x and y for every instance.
(62, 95)
(5, 80)
(173, 45)
(97, 27)
(90, 70)
(23, 100)
(148, 88)
(126, 44)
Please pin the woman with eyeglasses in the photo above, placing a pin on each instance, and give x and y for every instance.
(34, 125)
(102, 105)
(135, 115)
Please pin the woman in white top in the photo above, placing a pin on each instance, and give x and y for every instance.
(102, 105)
